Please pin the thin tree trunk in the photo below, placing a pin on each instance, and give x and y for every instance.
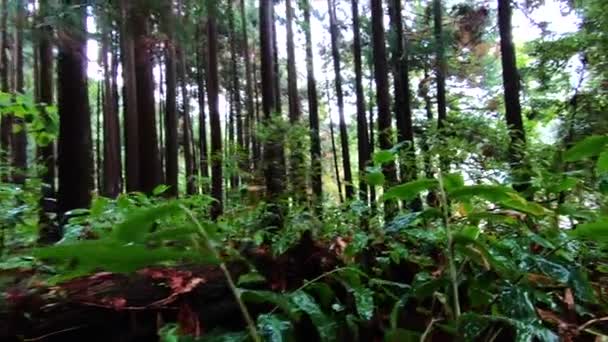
(383, 99)
(214, 114)
(362, 129)
(111, 129)
(116, 103)
(372, 188)
(202, 126)
(255, 143)
(237, 122)
(333, 143)
(148, 155)
(441, 64)
(273, 146)
(510, 77)
(313, 116)
(161, 117)
(335, 48)
(249, 118)
(131, 119)
(75, 160)
(402, 103)
(171, 144)
(188, 154)
(98, 132)
(19, 139)
(297, 177)
(7, 121)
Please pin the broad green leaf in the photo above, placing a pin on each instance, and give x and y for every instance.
(137, 224)
(160, 189)
(596, 231)
(251, 278)
(552, 269)
(515, 303)
(374, 176)
(565, 185)
(588, 147)
(581, 285)
(384, 156)
(409, 191)
(364, 299)
(453, 181)
(274, 329)
(602, 162)
(281, 301)
(500, 195)
(326, 327)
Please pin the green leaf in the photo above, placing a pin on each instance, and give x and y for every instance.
(251, 278)
(588, 147)
(596, 231)
(602, 162)
(384, 156)
(374, 176)
(274, 329)
(553, 270)
(138, 224)
(160, 189)
(565, 185)
(581, 285)
(515, 303)
(453, 181)
(364, 299)
(326, 327)
(409, 191)
(498, 194)
(281, 301)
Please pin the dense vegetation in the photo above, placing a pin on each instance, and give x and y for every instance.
(298, 170)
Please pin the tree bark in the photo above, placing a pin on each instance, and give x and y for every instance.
(362, 129)
(383, 99)
(202, 126)
(19, 138)
(273, 146)
(335, 48)
(237, 122)
(510, 77)
(75, 160)
(186, 127)
(7, 121)
(131, 119)
(171, 144)
(149, 173)
(111, 128)
(249, 118)
(441, 64)
(313, 115)
(214, 114)
(333, 144)
(402, 103)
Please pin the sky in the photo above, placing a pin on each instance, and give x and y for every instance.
(552, 12)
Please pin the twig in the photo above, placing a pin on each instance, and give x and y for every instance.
(429, 328)
(40, 338)
(590, 322)
(250, 324)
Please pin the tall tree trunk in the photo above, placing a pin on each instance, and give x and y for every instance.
(402, 103)
(273, 146)
(298, 182)
(335, 48)
(313, 115)
(236, 99)
(333, 144)
(202, 125)
(111, 128)
(372, 188)
(186, 126)
(255, 143)
(131, 119)
(161, 117)
(115, 47)
(214, 114)
(249, 118)
(7, 121)
(441, 64)
(46, 154)
(171, 144)
(19, 139)
(75, 160)
(510, 77)
(149, 162)
(383, 99)
(98, 132)
(362, 129)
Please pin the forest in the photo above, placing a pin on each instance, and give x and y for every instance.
(304, 170)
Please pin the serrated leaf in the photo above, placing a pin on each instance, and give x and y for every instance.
(325, 326)
(138, 224)
(588, 147)
(364, 300)
(410, 190)
(274, 329)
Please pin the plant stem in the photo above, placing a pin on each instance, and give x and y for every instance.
(450, 254)
(235, 291)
